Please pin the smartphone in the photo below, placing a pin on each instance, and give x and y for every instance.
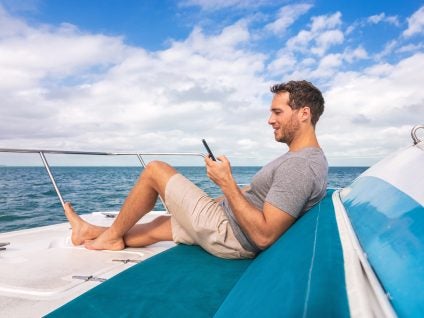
(208, 150)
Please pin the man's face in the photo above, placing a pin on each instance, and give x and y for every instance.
(283, 119)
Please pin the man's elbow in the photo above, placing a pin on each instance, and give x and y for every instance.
(264, 241)
(265, 235)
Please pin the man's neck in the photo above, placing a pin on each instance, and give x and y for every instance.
(306, 139)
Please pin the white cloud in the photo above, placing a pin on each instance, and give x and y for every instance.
(216, 46)
(327, 39)
(309, 54)
(285, 62)
(327, 66)
(373, 20)
(28, 55)
(248, 144)
(379, 70)
(300, 41)
(378, 18)
(411, 48)
(415, 23)
(325, 22)
(358, 53)
(387, 50)
(371, 113)
(287, 15)
(323, 33)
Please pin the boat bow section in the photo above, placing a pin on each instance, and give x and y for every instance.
(385, 207)
(40, 269)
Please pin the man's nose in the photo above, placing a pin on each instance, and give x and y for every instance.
(271, 119)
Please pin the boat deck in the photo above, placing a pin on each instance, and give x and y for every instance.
(41, 269)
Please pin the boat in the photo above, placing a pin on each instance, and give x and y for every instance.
(357, 253)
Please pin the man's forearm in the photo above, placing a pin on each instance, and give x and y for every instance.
(222, 197)
(250, 219)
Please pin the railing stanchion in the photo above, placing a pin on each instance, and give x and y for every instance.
(43, 158)
(144, 166)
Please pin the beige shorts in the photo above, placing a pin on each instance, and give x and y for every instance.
(197, 219)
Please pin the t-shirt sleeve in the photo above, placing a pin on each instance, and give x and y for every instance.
(291, 186)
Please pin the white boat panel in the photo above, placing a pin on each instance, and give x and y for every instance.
(365, 295)
(37, 269)
(78, 262)
(405, 165)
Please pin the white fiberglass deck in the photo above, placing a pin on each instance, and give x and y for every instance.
(41, 269)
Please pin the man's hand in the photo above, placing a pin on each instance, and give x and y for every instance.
(219, 171)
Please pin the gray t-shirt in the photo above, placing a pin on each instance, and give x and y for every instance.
(292, 183)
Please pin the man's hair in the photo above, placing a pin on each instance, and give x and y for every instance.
(301, 94)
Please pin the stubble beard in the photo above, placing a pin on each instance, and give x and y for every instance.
(288, 131)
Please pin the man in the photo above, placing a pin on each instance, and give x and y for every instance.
(244, 221)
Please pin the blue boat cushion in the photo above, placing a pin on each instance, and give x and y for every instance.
(302, 274)
(180, 282)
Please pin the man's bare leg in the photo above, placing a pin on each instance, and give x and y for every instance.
(81, 230)
(148, 233)
(140, 201)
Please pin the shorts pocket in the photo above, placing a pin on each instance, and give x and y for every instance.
(222, 244)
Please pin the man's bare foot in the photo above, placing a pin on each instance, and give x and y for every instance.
(81, 230)
(105, 242)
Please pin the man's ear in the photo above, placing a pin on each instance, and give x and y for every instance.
(304, 113)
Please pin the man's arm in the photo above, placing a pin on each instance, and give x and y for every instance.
(221, 198)
(262, 227)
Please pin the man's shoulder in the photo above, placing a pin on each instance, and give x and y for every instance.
(300, 157)
(311, 156)
(307, 161)
(302, 153)
(303, 160)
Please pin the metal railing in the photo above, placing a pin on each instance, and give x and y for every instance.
(139, 155)
(414, 136)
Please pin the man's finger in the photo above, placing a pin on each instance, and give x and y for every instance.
(208, 161)
(223, 159)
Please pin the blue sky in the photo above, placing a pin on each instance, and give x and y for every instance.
(160, 75)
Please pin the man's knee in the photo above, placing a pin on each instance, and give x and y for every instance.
(158, 173)
(155, 167)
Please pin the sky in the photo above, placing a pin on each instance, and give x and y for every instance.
(158, 76)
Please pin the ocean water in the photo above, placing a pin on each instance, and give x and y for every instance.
(28, 199)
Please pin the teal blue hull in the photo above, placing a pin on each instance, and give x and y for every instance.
(390, 227)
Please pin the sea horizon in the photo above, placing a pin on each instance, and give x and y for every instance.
(28, 198)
